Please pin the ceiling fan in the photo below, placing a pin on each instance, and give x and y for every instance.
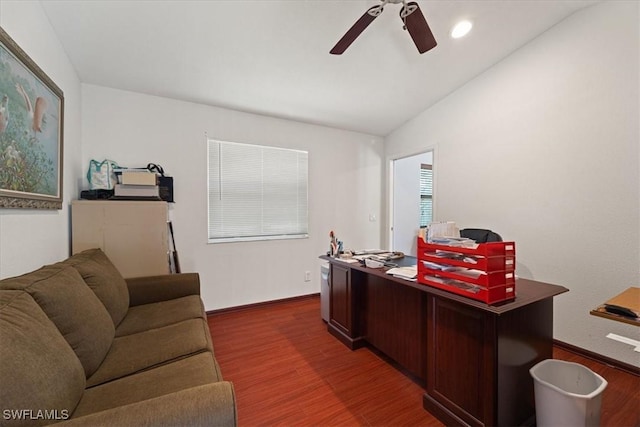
(411, 16)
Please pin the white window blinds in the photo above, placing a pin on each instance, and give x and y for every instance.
(426, 195)
(256, 192)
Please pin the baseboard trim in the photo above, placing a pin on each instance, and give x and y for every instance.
(261, 304)
(626, 367)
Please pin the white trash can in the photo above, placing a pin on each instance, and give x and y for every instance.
(566, 394)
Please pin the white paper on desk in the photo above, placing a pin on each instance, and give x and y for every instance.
(378, 257)
(409, 272)
(368, 251)
(381, 257)
(347, 260)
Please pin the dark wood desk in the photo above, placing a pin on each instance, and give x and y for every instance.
(472, 358)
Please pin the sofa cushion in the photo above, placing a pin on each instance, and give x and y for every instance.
(73, 308)
(141, 318)
(38, 369)
(104, 279)
(212, 404)
(136, 352)
(182, 374)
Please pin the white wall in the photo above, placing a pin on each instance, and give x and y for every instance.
(345, 172)
(543, 149)
(31, 238)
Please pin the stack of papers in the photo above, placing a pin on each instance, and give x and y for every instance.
(407, 273)
(441, 267)
(474, 274)
(369, 252)
(460, 242)
(348, 260)
(457, 283)
(456, 256)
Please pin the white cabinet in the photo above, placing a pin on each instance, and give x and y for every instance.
(133, 234)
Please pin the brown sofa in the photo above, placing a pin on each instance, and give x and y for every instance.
(80, 345)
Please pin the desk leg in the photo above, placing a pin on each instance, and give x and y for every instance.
(344, 299)
(352, 343)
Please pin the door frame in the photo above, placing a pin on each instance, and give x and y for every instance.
(390, 187)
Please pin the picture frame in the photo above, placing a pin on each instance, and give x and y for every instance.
(31, 132)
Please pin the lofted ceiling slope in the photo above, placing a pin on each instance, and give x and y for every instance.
(272, 57)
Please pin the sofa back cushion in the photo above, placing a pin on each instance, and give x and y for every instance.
(73, 308)
(38, 370)
(104, 279)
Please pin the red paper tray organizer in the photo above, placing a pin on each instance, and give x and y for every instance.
(485, 273)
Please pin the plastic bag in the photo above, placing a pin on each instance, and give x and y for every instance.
(101, 175)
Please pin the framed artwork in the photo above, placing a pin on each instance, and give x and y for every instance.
(31, 132)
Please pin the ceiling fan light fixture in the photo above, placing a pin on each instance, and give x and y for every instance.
(461, 29)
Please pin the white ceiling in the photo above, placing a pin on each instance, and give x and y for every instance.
(272, 57)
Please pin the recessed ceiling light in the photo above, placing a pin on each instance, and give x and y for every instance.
(461, 29)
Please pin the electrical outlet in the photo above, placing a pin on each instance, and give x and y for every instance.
(307, 276)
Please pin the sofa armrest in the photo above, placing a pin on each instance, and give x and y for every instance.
(150, 289)
(207, 405)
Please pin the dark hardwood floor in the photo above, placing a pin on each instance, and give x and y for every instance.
(288, 370)
(621, 398)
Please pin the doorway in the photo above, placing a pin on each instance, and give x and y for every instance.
(412, 199)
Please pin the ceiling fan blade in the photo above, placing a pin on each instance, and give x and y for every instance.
(357, 28)
(418, 28)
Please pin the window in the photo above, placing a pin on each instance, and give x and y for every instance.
(426, 195)
(256, 192)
